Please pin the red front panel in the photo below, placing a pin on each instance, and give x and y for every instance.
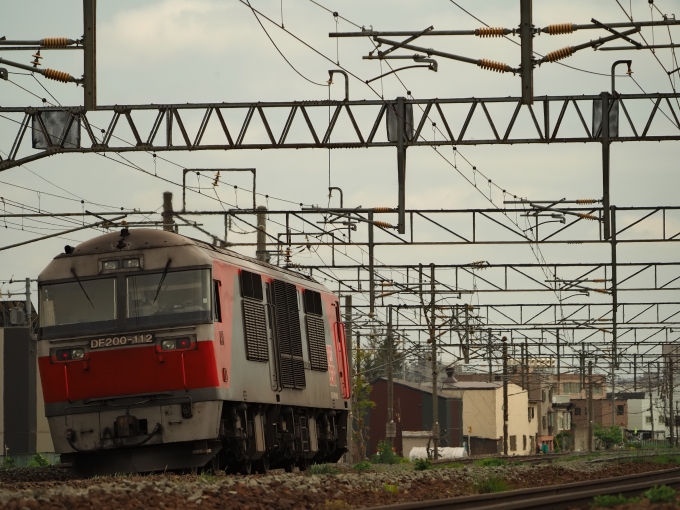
(128, 371)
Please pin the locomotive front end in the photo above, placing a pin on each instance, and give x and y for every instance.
(126, 353)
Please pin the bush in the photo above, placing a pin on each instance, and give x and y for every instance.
(660, 494)
(422, 464)
(608, 436)
(491, 462)
(39, 460)
(323, 469)
(610, 501)
(362, 466)
(385, 454)
(490, 484)
(8, 462)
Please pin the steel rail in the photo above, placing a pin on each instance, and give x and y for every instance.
(551, 497)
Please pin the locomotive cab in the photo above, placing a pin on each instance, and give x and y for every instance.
(157, 351)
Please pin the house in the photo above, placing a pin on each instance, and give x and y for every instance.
(412, 412)
(483, 417)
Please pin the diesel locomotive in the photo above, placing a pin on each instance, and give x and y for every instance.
(157, 351)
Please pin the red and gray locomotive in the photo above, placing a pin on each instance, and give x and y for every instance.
(157, 351)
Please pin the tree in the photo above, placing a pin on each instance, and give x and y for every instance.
(361, 403)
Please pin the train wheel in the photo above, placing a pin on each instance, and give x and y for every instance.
(246, 467)
(303, 464)
(262, 465)
(289, 465)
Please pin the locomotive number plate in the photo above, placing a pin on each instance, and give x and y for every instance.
(115, 341)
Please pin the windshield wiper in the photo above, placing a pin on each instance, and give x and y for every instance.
(160, 284)
(73, 272)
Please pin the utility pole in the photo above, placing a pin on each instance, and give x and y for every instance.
(613, 395)
(402, 127)
(526, 29)
(90, 54)
(614, 287)
(651, 402)
(371, 269)
(261, 251)
(489, 354)
(168, 221)
(29, 308)
(348, 336)
(467, 334)
(559, 368)
(505, 396)
(669, 365)
(590, 407)
(391, 431)
(433, 341)
(522, 367)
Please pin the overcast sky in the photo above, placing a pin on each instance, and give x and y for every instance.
(202, 51)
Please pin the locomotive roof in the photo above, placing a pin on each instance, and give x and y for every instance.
(145, 239)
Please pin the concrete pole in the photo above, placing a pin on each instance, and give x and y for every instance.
(350, 354)
(261, 250)
(433, 340)
(613, 393)
(505, 396)
(489, 354)
(669, 364)
(391, 429)
(29, 308)
(651, 403)
(591, 446)
(371, 275)
(167, 214)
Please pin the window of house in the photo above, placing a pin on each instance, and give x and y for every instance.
(524, 442)
(619, 410)
(551, 419)
(648, 419)
(571, 388)
(577, 411)
(662, 419)
(597, 390)
(543, 395)
(544, 422)
(560, 421)
(529, 412)
(513, 443)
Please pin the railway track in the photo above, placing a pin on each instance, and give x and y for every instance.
(551, 497)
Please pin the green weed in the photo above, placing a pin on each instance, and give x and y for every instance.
(337, 504)
(323, 469)
(362, 466)
(610, 501)
(422, 464)
(666, 459)
(392, 489)
(450, 465)
(491, 484)
(660, 494)
(9, 462)
(491, 462)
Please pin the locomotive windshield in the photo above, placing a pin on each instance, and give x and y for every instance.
(78, 307)
(158, 298)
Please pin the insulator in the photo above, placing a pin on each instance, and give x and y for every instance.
(382, 224)
(386, 284)
(560, 28)
(586, 201)
(599, 280)
(601, 291)
(556, 55)
(490, 32)
(587, 217)
(382, 209)
(491, 65)
(54, 42)
(53, 74)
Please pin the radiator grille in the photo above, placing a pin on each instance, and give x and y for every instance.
(316, 338)
(289, 335)
(255, 331)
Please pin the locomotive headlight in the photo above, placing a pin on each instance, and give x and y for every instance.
(110, 264)
(131, 263)
(168, 345)
(176, 343)
(70, 354)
